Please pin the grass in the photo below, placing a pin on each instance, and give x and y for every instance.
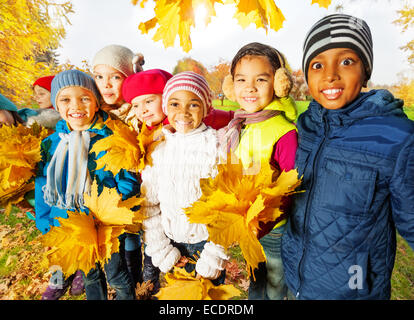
(230, 105)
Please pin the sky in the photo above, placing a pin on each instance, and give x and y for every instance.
(98, 23)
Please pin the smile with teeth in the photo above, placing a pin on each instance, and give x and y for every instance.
(250, 99)
(183, 122)
(333, 93)
(77, 115)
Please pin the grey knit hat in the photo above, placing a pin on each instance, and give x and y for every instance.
(120, 58)
(72, 78)
(339, 31)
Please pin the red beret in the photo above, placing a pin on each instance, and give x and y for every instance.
(44, 82)
(145, 82)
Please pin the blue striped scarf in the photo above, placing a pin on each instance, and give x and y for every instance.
(73, 146)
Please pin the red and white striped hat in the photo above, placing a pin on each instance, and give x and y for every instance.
(188, 81)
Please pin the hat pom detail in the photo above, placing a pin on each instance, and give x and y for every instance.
(228, 88)
(283, 82)
(138, 61)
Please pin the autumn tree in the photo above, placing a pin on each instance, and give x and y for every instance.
(405, 91)
(29, 31)
(300, 90)
(189, 64)
(216, 76)
(406, 20)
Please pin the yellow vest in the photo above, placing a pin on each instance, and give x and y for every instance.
(258, 139)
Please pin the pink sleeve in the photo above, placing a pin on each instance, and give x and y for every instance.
(218, 119)
(285, 151)
(283, 157)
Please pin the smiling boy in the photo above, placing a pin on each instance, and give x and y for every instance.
(67, 170)
(356, 157)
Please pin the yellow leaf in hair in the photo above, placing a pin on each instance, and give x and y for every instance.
(181, 285)
(234, 203)
(82, 239)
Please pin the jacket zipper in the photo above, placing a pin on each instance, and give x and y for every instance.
(306, 220)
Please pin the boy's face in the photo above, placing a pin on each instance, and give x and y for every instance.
(253, 83)
(185, 111)
(149, 108)
(335, 77)
(77, 106)
(42, 97)
(109, 82)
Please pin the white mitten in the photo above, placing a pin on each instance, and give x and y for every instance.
(170, 260)
(212, 261)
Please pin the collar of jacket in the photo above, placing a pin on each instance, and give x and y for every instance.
(286, 105)
(98, 126)
(375, 103)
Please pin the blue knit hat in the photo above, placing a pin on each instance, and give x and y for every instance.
(72, 78)
(6, 104)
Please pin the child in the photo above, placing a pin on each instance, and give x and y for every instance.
(111, 66)
(8, 112)
(45, 115)
(172, 183)
(260, 83)
(356, 155)
(67, 170)
(143, 91)
(41, 88)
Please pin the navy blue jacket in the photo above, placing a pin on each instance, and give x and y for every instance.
(358, 175)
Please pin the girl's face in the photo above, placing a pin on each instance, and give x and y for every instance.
(77, 106)
(185, 111)
(253, 83)
(336, 77)
(6, 118)
(149, 108)
(42, 97)
(109, 82)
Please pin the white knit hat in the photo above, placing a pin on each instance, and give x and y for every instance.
(120, 58)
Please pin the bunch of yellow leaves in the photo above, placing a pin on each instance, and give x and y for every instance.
(125, 148)
(182, 285)
(82, 239)
(19, 155)
(177, 17)
(234, 203)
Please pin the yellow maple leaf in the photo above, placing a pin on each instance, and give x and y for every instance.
(18, 161)
(125, 148)
(182, 285)
(322, 3)
(263, 13)
(234, 203)
(83, 239)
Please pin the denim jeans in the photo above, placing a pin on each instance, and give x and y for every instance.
(191, 249)
(116, 274)
(270, 279)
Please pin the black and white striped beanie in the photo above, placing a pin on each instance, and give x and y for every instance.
(339, 31)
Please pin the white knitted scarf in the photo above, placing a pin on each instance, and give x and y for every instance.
(75, 147)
